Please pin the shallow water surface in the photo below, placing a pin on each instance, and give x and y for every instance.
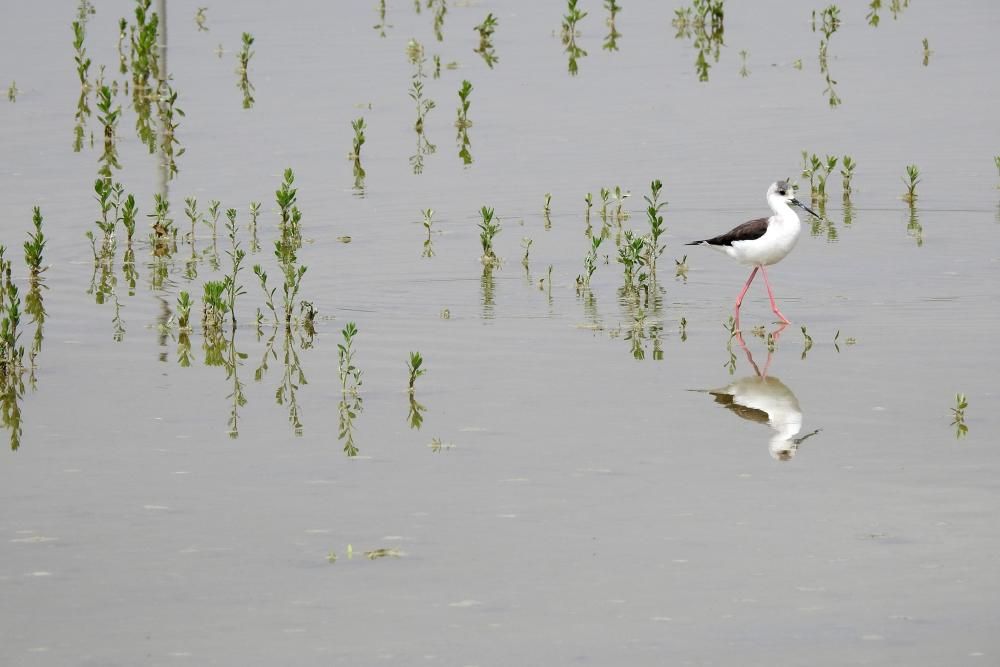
(597, 478)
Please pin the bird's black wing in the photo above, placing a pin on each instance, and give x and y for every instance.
(748, 231)
(750, 414)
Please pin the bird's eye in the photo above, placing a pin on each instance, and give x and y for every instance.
(781, 192)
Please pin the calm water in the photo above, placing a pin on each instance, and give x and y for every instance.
(585, 507)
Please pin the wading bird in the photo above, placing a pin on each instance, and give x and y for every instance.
(764, 241)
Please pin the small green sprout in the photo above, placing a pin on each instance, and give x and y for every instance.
(847, 173)
(958, 416)
(413, 366)
(911, 181)
(488, 229)
(485, 48)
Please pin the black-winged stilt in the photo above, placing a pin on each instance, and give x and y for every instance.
(763, 241)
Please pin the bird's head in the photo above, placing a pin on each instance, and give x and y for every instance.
(784, 191)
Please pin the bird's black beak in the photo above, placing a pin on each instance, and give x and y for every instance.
(805, 208)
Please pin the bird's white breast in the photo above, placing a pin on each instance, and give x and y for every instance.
(779, 239)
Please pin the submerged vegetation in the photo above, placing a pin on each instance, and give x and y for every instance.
(243, 70)
(139, 90)
(463, 123)
(704, 23)
(958, 416)
(570, 33)
(485, 48)
(611, 40)
(829, 23)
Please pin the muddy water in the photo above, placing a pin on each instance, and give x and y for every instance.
(584, 506)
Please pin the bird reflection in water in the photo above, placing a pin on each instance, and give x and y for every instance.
(765, 399)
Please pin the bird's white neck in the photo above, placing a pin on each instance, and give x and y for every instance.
(782, 210)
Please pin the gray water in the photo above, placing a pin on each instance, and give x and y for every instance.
(585, 506)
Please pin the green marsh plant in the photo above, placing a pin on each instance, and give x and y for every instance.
(11, 350)
(108, 196)
(611, 40)
(704, 23)
(415, 416)
(462, 122)
(847, 173)
(807, 343)
(358, 125)
(958, 416)
(653, 207)
(350, 374)
(569, 34)
(201, 19)
(145, 66)
(167, 111)
(214, 306)
(242, 69)
(237, 397)
(440, 8)
(12, 92)
(873, 13)
(428, 222)
(414, 367)
(424, 105)
(184, 311)
(632, 256)
(488, 229)
(254, 214)
(108, 117)
(83, 72)
(911, 181)
(212, 220)
(35, 246)
(285, 248)
(236, 257)
(348, 409)
(485, 47)
(290, 224)
(415, 54)
(164, 231)
(744, 72)
(927, 52)
(80, 55)
(829, 24)
(621, 213)
(590, 262)
(191, 211)
(122, 36)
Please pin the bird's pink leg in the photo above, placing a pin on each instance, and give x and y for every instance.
(739, 299)
(770, 294)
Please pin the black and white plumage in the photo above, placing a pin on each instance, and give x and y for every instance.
(763, 241)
